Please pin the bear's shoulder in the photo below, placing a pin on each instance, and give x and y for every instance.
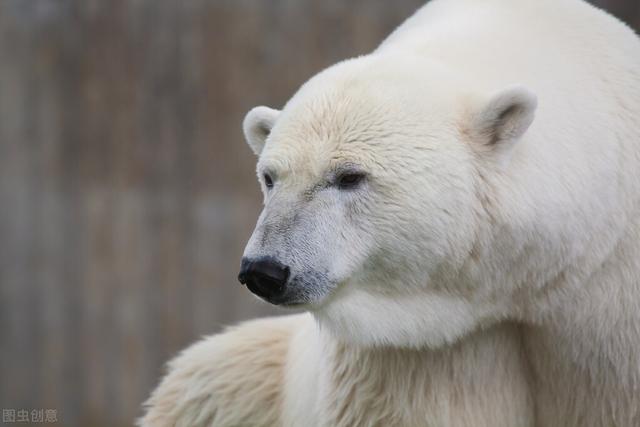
(229, 379)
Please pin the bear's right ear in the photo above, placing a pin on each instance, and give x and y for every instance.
(257, 126)
(502, 120)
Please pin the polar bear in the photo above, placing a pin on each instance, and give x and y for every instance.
(459, 213)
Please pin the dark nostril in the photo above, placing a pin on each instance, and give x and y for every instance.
(265, 276)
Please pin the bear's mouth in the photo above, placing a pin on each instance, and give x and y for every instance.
(305, 290)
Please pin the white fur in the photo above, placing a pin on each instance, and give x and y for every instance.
(287, 372)
(410, 321)
(501, 140)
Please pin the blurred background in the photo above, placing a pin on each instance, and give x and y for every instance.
(127, 192)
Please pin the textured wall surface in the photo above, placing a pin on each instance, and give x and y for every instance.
(126, 190)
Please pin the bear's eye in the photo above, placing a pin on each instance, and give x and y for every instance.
(268, 181)
(350, 180)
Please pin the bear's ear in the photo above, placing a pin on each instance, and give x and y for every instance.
(257, 126)
(504, 118)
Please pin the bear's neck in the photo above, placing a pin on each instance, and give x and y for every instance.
(398, 387)
(584, 350)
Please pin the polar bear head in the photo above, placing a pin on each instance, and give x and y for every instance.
(375, 196)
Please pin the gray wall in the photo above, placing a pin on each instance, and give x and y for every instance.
(126, 190)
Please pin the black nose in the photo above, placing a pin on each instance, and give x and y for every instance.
(264, 276)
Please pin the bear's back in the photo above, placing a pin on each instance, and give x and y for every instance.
(530, 41)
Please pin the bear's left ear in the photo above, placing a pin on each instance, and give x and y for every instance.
(504, 118)
(257, 126)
